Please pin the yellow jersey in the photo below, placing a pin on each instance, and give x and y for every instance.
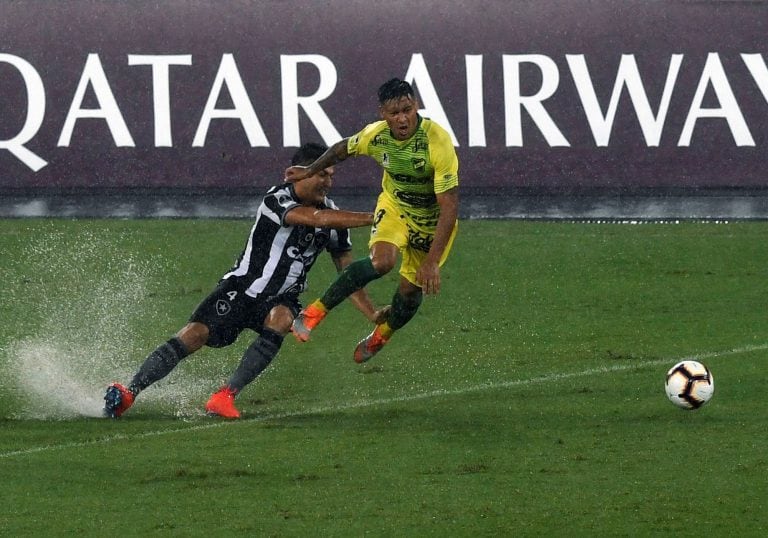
(415, 170)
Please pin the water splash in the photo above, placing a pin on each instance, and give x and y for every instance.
(51, 384)
(82, 296)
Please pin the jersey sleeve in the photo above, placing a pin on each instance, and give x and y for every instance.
(339, 242)
(277, 203)
(444, 159)
(357, 144)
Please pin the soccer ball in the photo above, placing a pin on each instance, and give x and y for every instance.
(689, 384)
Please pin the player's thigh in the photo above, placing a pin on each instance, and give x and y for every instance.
(389, 224)
(417, 249)
(224, 312)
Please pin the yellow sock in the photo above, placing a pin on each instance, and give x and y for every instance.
(385, 330)
(320, 306)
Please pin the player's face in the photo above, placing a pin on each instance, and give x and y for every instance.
(319, 185)
(402, 116)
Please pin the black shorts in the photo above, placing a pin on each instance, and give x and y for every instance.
(227, 311)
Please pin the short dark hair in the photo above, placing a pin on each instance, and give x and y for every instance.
(394, 89)
(308, 153)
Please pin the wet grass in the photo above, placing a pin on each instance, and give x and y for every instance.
(525, 400)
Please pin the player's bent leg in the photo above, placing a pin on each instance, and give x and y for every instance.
(157, 365)
(355, 276)
(405, 304)
(255, 360)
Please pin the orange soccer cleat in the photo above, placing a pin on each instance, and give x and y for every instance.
(222, 404)
(308, 319)
(370, 345)
(117, 400)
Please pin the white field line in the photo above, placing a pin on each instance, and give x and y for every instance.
(549, 378)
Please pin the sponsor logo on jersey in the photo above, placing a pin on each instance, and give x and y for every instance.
(419, 164)
(414, 180)
(415, 199)
(420, 144)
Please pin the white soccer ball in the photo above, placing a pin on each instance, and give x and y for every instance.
(689, 384)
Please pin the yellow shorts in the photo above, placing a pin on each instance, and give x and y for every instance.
(392, 225)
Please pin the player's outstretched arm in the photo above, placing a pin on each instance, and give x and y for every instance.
(327, 218)
(333, 155)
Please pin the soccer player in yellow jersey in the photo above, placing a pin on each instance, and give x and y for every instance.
(415, 216)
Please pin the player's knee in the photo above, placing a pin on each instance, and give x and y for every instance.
(194, 336)
(384, 257)
(383, 263)
(279, 320)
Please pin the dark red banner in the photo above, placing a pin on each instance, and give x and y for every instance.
(563, 95)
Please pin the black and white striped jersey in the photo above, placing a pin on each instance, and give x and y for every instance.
(277, 256)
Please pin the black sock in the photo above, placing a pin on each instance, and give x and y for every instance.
(403, 309)
(158, 364)
(255, 359)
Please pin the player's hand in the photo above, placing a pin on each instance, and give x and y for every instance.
(296, 173)
(428, 277)
(381, 315)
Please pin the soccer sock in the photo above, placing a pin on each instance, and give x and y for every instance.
(403, 309)
(158, 364)
(319, 305)
(255, 359)
(354, 276)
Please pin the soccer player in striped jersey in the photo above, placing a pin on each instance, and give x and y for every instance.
(415, 216)
(294, 224)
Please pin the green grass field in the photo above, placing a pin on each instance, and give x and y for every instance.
(526, 400)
